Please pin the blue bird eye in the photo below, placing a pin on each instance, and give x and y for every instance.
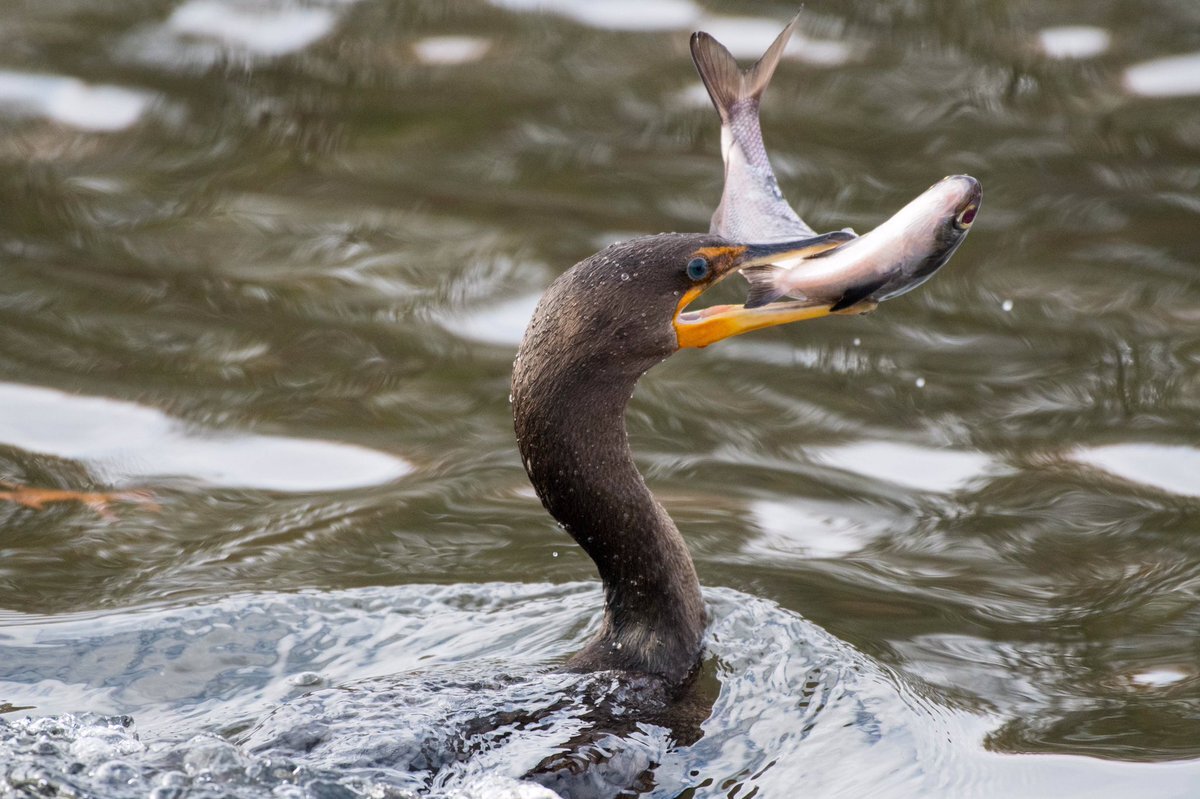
(697, 268)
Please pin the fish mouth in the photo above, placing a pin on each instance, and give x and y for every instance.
(964, 195)
(967, 194)
(696, 329)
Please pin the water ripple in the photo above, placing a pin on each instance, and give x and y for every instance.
(126, 443)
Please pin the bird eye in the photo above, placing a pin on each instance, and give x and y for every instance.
(697, 268)
(965, 217)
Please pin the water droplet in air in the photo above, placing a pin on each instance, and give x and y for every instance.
(624, 276)
(1006, 305)
(920, 382)
(858, 342)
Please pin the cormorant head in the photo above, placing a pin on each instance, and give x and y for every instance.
(626, 307)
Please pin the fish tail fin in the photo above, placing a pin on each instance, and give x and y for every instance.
(762, 285)
(727, 83)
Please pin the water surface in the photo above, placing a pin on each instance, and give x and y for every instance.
(271, 261)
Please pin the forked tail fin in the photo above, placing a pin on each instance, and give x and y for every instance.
(763, 290)
(727, 83)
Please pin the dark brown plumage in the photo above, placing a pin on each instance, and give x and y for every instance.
(597, 329)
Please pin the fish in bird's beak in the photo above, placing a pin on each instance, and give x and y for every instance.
(709, 325)
(892, 259)
(834, 273)
(837, 272)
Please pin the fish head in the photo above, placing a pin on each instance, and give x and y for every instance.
(925, 233)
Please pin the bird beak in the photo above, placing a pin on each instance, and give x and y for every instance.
(707, 326)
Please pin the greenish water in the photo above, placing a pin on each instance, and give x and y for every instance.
(270, 262)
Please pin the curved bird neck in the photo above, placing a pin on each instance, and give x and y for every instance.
(570, 425)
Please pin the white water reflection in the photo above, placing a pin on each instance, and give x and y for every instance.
(633, 15)
(124, 442)
(263, 31)
(748, 37)
(907, 465)
(451, 49)
(1073, 41)
(1176, 76)
(1172, 468)
(70, 101)
(502, 323)
(745, 37)
(814, 529)
(1158, 678)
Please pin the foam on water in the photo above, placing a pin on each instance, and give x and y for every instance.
(124, 441)
(807, 694)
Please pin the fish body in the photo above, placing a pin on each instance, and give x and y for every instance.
(892, 259)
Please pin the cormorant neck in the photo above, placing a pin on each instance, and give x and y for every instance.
(570, 425)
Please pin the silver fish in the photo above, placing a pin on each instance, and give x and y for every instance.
(752, 206)
(840, 268)
(892, 259)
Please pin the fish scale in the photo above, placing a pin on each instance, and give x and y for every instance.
(752, 206)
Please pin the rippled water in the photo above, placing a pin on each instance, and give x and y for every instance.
(269, 262)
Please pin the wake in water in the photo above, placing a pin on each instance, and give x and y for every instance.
(778, 703)
(470, 728)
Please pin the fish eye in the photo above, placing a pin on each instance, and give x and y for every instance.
(965, 217)
(697, 268)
